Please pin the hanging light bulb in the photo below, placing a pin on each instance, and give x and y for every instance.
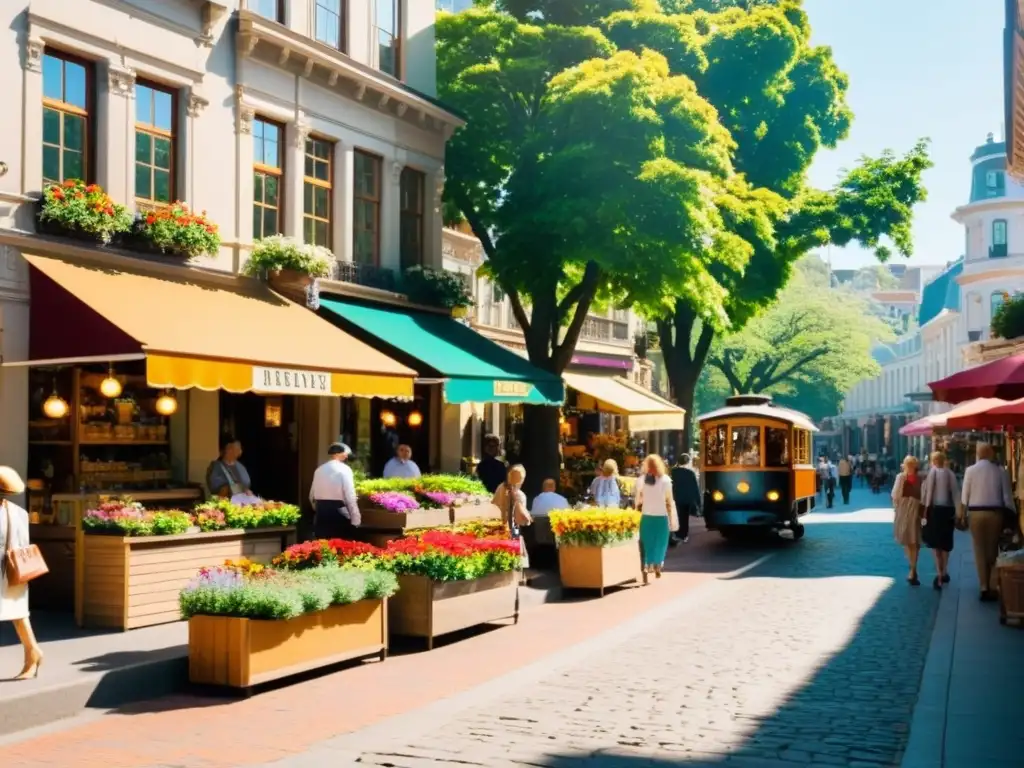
(415, 419)
(388, 418)
(166, 404)
(110, 387)
(55, 406)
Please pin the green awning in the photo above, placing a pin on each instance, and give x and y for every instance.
(474, 368)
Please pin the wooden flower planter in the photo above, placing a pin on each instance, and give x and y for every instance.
(429, 609)
(469, 512)
(599, 567)
(128, 582)
(379, 526)
(1011, 593)
(241, 653)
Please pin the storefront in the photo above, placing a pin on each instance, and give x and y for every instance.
(459, 372)
(136, 369)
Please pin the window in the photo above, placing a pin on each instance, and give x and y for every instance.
(776, 447)
(497, 295)
(316, 193)
(714, 446)
(366, 216)
(802, 446)
(272, 9)
(997, 300)
(389, 26)
(268, 170)
(999, 232)
(67, 97)
(329, 23)
(154, 144)
(411, 193)
(990, 179)
(746, 446)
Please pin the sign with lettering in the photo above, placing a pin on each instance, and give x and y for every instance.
(288, 381)
(512, 389)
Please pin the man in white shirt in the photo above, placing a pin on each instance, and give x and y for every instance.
(401, 464)
(548, 500)
(333, 495)
(987, 497)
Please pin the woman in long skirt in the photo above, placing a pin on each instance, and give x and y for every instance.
(906, 499)
(511, 500)
(942, 506)
(14, 533)
(654, 499)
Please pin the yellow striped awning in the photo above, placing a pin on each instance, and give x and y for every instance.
(646, 412)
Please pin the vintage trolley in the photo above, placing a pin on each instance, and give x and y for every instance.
(756, 467)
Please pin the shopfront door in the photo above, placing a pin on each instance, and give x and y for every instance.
(270, 452)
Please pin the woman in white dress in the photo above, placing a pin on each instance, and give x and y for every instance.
(14, 599)
(658, 516)
(605, 487)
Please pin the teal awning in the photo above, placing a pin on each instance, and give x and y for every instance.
(474, 368)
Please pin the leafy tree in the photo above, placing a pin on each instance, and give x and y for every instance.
(875, 277)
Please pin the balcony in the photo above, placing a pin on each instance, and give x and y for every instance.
(368, 276)
(606, 331)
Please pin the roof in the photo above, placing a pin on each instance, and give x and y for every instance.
(795, 418)
(646, 411)
(942, 293)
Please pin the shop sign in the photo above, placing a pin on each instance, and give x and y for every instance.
(512, 389)
(288, 381)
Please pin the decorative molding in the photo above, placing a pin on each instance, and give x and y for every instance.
(34, 54)
(246, 115)
(212, 13)
(360, 91)
(282, 59)
(396, 172)
(401, 109)
(302, 131)
(439, 180)
(247, 43)
(384, 101)
(196, 104)
(308, 69)
(333, 79)
(120, 80)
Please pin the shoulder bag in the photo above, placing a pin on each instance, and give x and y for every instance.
(673, 514)
(22, 564)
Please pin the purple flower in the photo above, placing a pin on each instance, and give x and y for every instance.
(441, 498)
(393, 501)
(217, 578)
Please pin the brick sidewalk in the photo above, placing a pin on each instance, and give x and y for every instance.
(214, 733)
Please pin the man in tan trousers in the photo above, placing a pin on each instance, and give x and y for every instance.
(987, 497)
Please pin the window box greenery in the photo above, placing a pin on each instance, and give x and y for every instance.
(436, 287)
(83, 211)
(279, 255)
(1008, 319)
(174, 231)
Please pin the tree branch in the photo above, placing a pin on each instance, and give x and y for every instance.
(517, 310)
(562, 354)
(576, 292)
(810, 357)
(476, 224)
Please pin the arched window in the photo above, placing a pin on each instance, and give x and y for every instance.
(999, 240)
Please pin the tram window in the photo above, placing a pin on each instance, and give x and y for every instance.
(803, 446)
(714, 447)
(776, 447)
(746, 446)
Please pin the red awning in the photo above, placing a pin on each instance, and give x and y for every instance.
(958, 418)
(996, 417)
(1000, 378)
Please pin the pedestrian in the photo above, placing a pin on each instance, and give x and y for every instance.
(401, 465)
(822, 475)
(988, 498)
(605, 487)
(333, 496)
(906, 497)
(846, 478)
(511, 500)
(491, 470)
(548, 500)
(940, 495)
(686, 493)
(659, 515)
(877, 478)
(14, 534)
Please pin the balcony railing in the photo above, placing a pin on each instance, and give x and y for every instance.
(605, 330)
(367, 275)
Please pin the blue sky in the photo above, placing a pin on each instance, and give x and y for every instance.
(917, 68)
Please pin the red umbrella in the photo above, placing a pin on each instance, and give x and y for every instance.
(1000, 378)
(951, 419)
(997, 417)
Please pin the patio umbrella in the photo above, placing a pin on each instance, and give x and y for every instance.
(917, 428)
(996, 417)
(929, 424)
(1000, 378)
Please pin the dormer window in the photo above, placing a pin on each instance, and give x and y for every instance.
(999, 239)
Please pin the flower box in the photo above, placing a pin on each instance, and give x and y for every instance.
(378, 519)
(428, 609)
(241, 653)
(467, 512)
(599, 567)
(126, 582)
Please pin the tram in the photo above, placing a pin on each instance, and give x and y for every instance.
(756, 467)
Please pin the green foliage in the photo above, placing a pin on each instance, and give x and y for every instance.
(170, 523)
(178, 231)
(280, 252)
(435, 287)
(1008, 320)
(457, 484)
(875, 277)
(269, 514)
(76, 208)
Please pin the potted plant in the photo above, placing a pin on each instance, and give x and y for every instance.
(174, 230)
(1008, 319)
(437, 288)
(288, 262)
(79, 210)
(398, 504)
(248, 624)
(597, 548)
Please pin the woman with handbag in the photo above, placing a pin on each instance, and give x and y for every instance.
(21, 563)
(940, 494)
(659, 516)
(510, 499)
(906, 500)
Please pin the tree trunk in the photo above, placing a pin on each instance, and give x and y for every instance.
(683, 380)
(684, 361)
(540, 455)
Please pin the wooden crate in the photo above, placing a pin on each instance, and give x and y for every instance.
(241, 653)
(130, 582)
(475, 512)
(429, 609)
(377, 519)
(599, 567)
(1011, 593)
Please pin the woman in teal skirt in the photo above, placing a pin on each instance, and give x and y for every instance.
(658, 508)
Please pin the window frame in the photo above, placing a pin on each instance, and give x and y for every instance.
(378, 162)
(706, 453)
(730, 458)
(266, 170)
(1005, 230)
(396, 36)
(342, 45)
(153, 131)
(65, 108)
(316, 182)
(788, 455)
(420, 215)
(278, 10)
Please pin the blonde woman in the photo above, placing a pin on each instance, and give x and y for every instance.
(906, 499)
(511, 500)
(940, 496)
(14, 532)
(659, 518)
(605, 488)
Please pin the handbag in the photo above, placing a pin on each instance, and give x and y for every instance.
(22, 564)
(673, 513)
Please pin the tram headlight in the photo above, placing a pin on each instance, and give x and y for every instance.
(717, 495)
(773, 495)
(743, 486)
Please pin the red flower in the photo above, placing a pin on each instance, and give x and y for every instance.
(93, 188)
(150, 219)
(70, 183)
(109, 210)
(58, 193)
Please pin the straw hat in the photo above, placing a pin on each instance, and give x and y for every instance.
(10, 482)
